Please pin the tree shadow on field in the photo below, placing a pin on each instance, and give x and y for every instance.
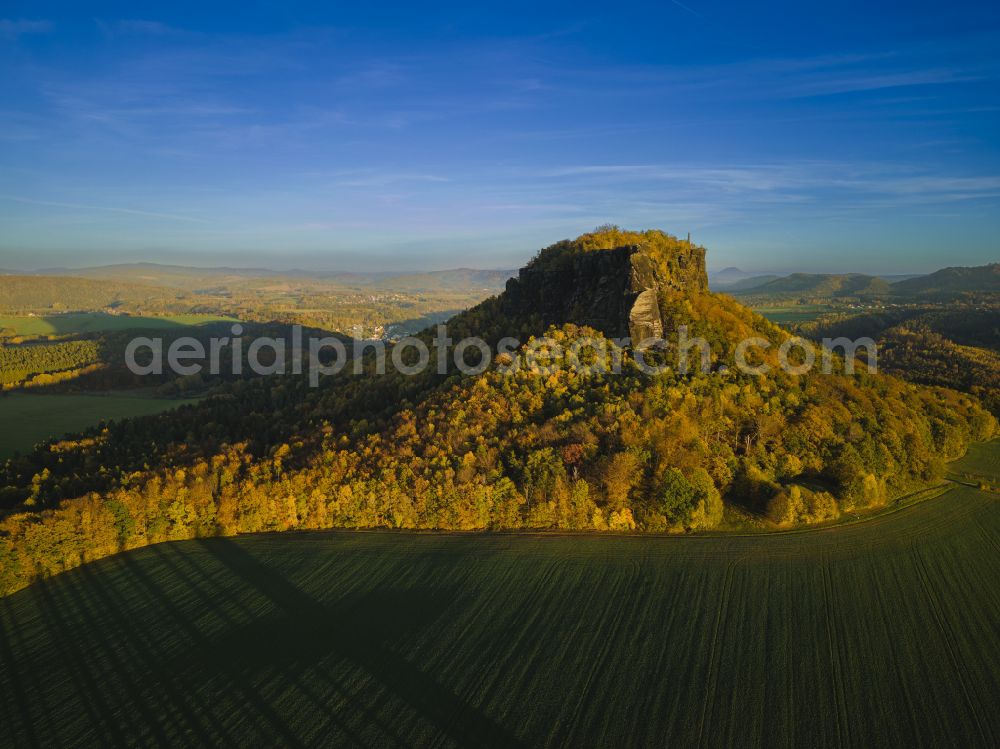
(357, 630)
(167, 647)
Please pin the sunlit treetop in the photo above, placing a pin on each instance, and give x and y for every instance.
(608, 237)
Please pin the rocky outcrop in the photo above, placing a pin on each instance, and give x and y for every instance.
(614, 291)
(644, 321)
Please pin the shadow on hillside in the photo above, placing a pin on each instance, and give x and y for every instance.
(71, 323)
(415, 325)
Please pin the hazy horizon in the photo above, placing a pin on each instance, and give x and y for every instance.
(279, 268)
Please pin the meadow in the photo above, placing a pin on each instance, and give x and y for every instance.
(97, 322)
(980, 464)
(872, 634)
(29, 418)
(799, 313)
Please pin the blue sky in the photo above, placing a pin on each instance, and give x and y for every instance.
(784, 136)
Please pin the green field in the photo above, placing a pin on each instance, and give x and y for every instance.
(981, 463)
(793, 314)
(28, 418)
(874, 634)
(97, 322)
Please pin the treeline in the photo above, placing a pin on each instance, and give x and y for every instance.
(19, 363)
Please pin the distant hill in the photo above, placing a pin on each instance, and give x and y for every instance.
(950, 281)
(749, 283)
(830, 285)
(727, 277)
(821, 285)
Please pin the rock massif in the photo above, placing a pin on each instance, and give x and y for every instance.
(615, 291)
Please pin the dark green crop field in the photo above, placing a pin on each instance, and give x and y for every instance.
(880, 633)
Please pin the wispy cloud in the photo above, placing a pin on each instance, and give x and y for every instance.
(374, 74)
(834, 83)
(136, 26)
(105, 208)
(688, 9)
(12, 29)
(786, 78)
(815, 181)
(377, 178)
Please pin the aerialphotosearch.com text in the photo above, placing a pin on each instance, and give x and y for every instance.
(323, 356)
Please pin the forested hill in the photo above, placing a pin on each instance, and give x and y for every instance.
(947, 282)
(515, 446)
(953, 281)
(815, 285)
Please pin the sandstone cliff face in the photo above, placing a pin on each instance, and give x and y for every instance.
(614, 291)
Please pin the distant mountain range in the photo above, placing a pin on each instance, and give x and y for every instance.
(945, 282)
